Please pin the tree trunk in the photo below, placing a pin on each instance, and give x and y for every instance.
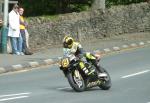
(98, 4)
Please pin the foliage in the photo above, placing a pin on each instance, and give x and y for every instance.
(122, 2)
(54, 7)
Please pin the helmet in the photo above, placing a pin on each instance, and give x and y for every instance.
(68, 42)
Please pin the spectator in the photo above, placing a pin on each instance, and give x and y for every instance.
(14, 31)
(23, 25)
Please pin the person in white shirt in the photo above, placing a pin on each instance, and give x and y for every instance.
(14, 31)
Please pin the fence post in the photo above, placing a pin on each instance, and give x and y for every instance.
(4, 33)
(4, 28)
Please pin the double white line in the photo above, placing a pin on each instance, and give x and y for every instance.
(14, 96)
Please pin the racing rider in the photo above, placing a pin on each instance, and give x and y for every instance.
(75, 48)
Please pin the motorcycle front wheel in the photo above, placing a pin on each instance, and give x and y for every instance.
(76, 80)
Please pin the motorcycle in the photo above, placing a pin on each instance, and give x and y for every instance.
(78, 80)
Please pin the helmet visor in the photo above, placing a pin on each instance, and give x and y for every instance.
(69, 42)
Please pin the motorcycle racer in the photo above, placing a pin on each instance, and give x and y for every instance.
(70, 46)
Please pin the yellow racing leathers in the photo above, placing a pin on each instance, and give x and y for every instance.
(78, 51)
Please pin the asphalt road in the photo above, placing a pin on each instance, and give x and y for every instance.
(129, 70)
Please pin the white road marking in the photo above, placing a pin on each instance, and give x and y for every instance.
(13, 96)
(1, 96)
(64, 88)
(6, 99)
(131, 75)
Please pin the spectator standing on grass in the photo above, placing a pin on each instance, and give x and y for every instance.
(14, 31)
(23, 25)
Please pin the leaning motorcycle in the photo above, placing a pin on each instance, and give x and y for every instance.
(77, 78)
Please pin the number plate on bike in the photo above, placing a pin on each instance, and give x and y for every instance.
(65, 63)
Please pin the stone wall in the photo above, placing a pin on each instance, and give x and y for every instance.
(90, 25)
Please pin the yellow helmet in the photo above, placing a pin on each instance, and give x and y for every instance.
(68, 42)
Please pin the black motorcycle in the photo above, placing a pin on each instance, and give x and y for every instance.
(78, 80)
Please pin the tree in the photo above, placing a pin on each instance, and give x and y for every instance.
(51, 7)
(98, 4)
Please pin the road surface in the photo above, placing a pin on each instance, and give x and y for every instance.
(129, 70)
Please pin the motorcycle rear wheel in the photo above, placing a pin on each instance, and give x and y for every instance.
(106, 82)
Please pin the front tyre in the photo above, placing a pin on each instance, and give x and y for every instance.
(106, 82)
(76, 80)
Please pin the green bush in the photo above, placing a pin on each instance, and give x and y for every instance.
(122, 2)
(54, 7)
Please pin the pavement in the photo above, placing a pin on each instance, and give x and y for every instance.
(9, 62)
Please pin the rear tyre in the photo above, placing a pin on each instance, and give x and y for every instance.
(76, 81)
(106, 82)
